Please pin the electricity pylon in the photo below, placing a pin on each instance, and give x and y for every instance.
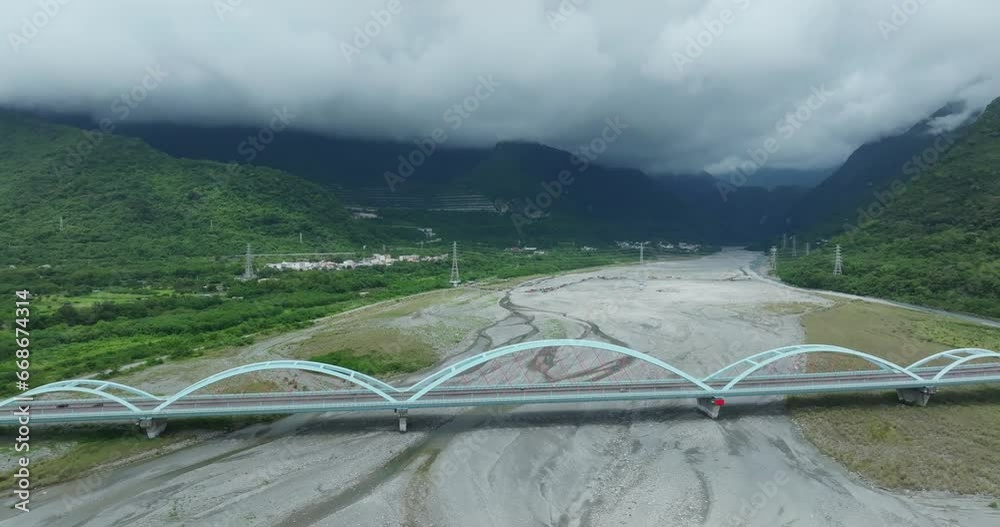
(455, 280)
(774, 257)
(248, 272)
(838, 263)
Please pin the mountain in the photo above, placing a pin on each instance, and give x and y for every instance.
(868, 171)
(771, 178)
(932, 238)
(729, 213)
(459, 191)
(72, 193)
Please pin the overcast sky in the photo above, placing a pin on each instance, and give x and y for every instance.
(557, 74)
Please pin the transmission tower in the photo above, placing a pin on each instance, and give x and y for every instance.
(784, 241)
(455, 280)
(838, 263)
(774, 257)
(248, 272)
(795, 247)
(642, 253)
(807, 248)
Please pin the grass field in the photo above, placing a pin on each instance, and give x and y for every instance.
(84, 449)
(49, 303)
(374, 351)
(950, 445)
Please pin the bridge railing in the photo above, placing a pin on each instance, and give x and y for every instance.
(733, 374)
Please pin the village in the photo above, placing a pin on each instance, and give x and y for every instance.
(372, 261)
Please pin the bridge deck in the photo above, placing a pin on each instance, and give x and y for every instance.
(94, 409)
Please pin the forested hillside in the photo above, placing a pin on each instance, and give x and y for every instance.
(119, 198)
(871, 168)
(602, 203)
(938, 240)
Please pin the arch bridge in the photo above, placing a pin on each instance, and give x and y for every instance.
(536, 372)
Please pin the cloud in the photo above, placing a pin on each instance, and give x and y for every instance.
(700, 81)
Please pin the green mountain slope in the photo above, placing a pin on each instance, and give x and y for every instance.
(825, 209)
(126, 200)
(937, 242)
(602, 203)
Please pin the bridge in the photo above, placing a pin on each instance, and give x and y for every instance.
(536, 372)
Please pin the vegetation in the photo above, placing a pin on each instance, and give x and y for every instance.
(949, 445)
(131, 255)
(124, 201)
(871, 168)
(937, 243)
(92, 320)
(377, 352)
(80, 449)
(600, 204)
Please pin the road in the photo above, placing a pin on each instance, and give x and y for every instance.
(642, 463)
(70, 410)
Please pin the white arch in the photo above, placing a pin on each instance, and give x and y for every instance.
(963, 360)
(955, 354)
(369, 383)
(437, 378)
(753, 360)
(814, 348)
(103, 385)
(100, 387)
(55, 389)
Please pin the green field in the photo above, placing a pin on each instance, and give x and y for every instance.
(950, 445)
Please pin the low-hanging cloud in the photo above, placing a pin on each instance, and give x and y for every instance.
(699, 81)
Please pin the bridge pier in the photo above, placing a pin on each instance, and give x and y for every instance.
(710, 406)
(916, 396)
(401, 412)
(153, 427)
